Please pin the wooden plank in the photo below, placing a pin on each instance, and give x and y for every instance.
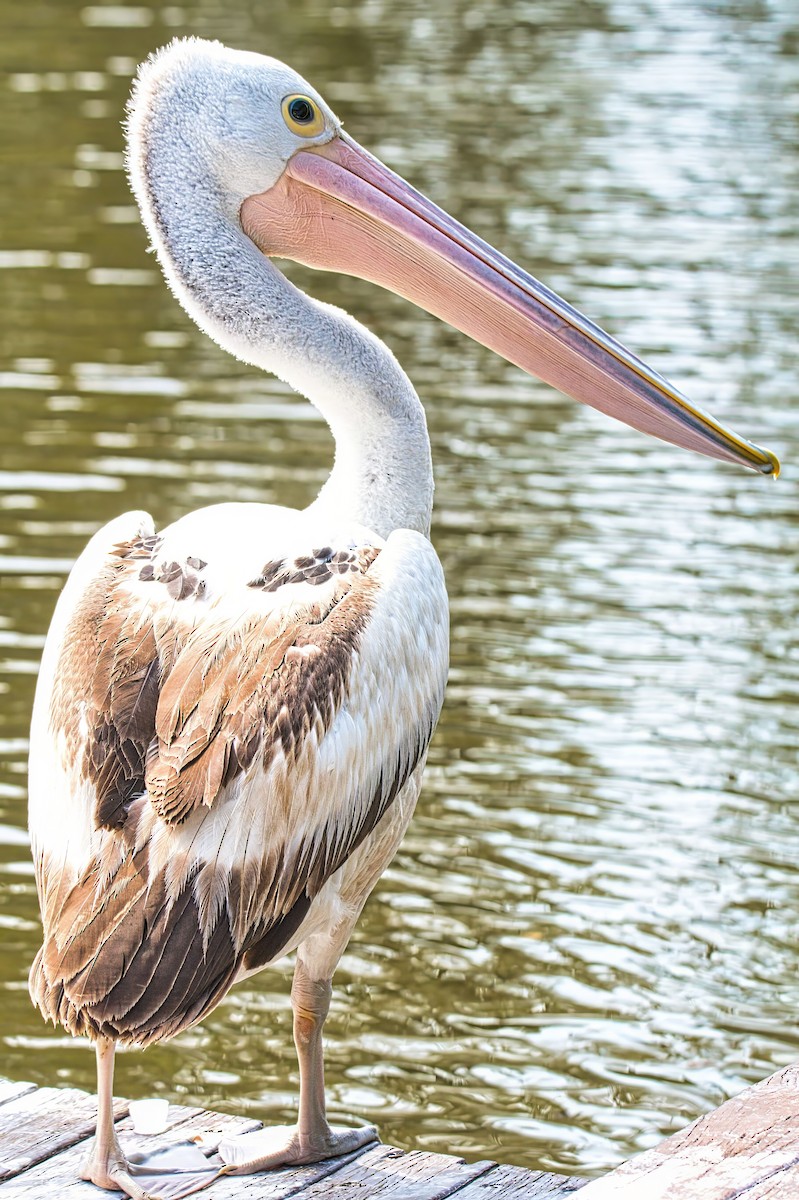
(385, 1171)
(10, 1091)
(747, 1150)
(782, 1186)
(517, 1183)
(38, 1124)
(59, 1175)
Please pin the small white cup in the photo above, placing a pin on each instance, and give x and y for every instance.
(149, 1116)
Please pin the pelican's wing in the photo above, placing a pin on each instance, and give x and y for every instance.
(223, 754)
(87, 756)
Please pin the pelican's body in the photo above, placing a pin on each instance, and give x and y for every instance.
(233, 713)
(222, 754)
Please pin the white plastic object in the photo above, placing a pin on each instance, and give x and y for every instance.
(149, 1116)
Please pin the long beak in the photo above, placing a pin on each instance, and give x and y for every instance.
(338, 208)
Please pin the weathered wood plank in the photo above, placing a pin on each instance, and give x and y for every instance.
(10, 1091)
(385, 1171)
(517, 1183)
(782, 1186)
(38, 1124)
(746, 1150)
(58, 1176)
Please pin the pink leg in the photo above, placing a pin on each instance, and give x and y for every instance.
(106, 1165)
(312, 1139)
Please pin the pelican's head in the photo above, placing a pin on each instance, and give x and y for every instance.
(229, 116)
(301, 188)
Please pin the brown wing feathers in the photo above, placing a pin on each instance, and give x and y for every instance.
(184, 706)
(134, 968)
(108, 679)
(124, 701)
(259, 685)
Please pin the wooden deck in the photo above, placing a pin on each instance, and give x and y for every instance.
(746, 1150)
(43, 1132)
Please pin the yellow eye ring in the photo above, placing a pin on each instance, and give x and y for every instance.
(303, 116)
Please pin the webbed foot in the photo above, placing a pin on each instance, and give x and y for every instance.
(283, 1146)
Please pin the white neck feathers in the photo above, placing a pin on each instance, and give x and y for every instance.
(382, 476)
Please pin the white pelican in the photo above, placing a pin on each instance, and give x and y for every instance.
(233, 713)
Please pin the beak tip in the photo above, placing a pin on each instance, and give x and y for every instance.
(770, 464)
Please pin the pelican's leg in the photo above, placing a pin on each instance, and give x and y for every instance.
(312, 1139)
(106, 1165)
(310, 1001)
(169, 1175)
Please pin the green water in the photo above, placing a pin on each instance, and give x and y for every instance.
(590, 934)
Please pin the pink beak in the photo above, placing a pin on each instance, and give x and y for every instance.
(338, 208)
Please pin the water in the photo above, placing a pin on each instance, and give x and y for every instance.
(589, 935)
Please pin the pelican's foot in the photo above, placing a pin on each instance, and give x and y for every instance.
(284, 1146)
(111, 1171)
(163, 1175)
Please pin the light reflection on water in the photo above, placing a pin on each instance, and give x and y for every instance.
(589, 935)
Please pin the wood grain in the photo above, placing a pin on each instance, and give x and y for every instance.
(385, 1171)
(517, 1183)
(38, 1124)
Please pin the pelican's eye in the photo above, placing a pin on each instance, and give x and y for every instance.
(303, 116)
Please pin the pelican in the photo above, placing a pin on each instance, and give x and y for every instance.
(233, 713)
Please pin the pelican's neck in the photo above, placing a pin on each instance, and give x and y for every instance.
(382, 474)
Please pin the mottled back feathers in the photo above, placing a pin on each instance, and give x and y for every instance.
(235, 747)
